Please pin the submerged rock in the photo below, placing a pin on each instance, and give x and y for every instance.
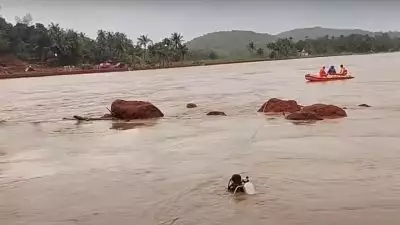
(275, 105)
(216, 113)
(325, 111)
(364, 105)
(108, 117)
(306, 116)
(303, 122)
(81, 118)
(127, 125)
(130, 110)
(191, 105)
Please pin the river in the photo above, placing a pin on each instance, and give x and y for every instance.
(175, 170)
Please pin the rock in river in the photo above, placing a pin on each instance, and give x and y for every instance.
(325, 111)
(216, 113)
(364, 105)
(191, 105)
(307, 116)
(130, 110)
(275, 105)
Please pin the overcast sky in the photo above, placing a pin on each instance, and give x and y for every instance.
(159, 18)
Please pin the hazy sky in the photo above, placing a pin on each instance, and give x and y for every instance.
(159, 18)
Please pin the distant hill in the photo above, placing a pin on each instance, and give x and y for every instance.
(317, 32)
(393, 34)
(233, 43)
(228, 43)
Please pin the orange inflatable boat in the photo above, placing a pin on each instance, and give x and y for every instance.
(316, 78)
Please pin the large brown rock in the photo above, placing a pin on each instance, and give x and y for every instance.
(325, 111)
(275, 105)
(130, 110)
(300, 115)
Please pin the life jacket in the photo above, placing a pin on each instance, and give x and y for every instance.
(322, 73)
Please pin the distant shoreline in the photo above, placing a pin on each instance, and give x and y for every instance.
(178, 65)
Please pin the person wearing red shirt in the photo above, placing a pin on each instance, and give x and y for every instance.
(322, 72)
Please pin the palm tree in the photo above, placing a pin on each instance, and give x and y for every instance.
(143, 41)
(260, 52)
(167, 50)
(251, 47)
(176, 39)
(167, 42)
(164, 53)
(159, 53)
(183, 50)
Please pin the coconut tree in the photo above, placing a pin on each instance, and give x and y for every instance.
(160, 52)
(251, 47)
(143, 42)
(176, 39)
(167, 50)
(167, 42)
(260, 52)
(183, 50)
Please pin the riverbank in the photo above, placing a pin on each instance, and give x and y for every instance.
(59, 73)
(56, 72)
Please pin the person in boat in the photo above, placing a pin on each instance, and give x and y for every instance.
(343, 71)
(332, 70)
(322, 72)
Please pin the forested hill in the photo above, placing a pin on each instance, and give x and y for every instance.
(317, 32)
(232, 44)
(228, 43)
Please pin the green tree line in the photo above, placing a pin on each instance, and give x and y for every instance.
(57, 46)
(355, 43)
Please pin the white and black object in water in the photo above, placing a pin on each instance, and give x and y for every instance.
(249, 188)
(237, 184)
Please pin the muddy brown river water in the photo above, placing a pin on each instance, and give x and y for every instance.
(175, 170)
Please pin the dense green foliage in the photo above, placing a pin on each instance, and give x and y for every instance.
(58, 46)
(53, 45)
(354, 43)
